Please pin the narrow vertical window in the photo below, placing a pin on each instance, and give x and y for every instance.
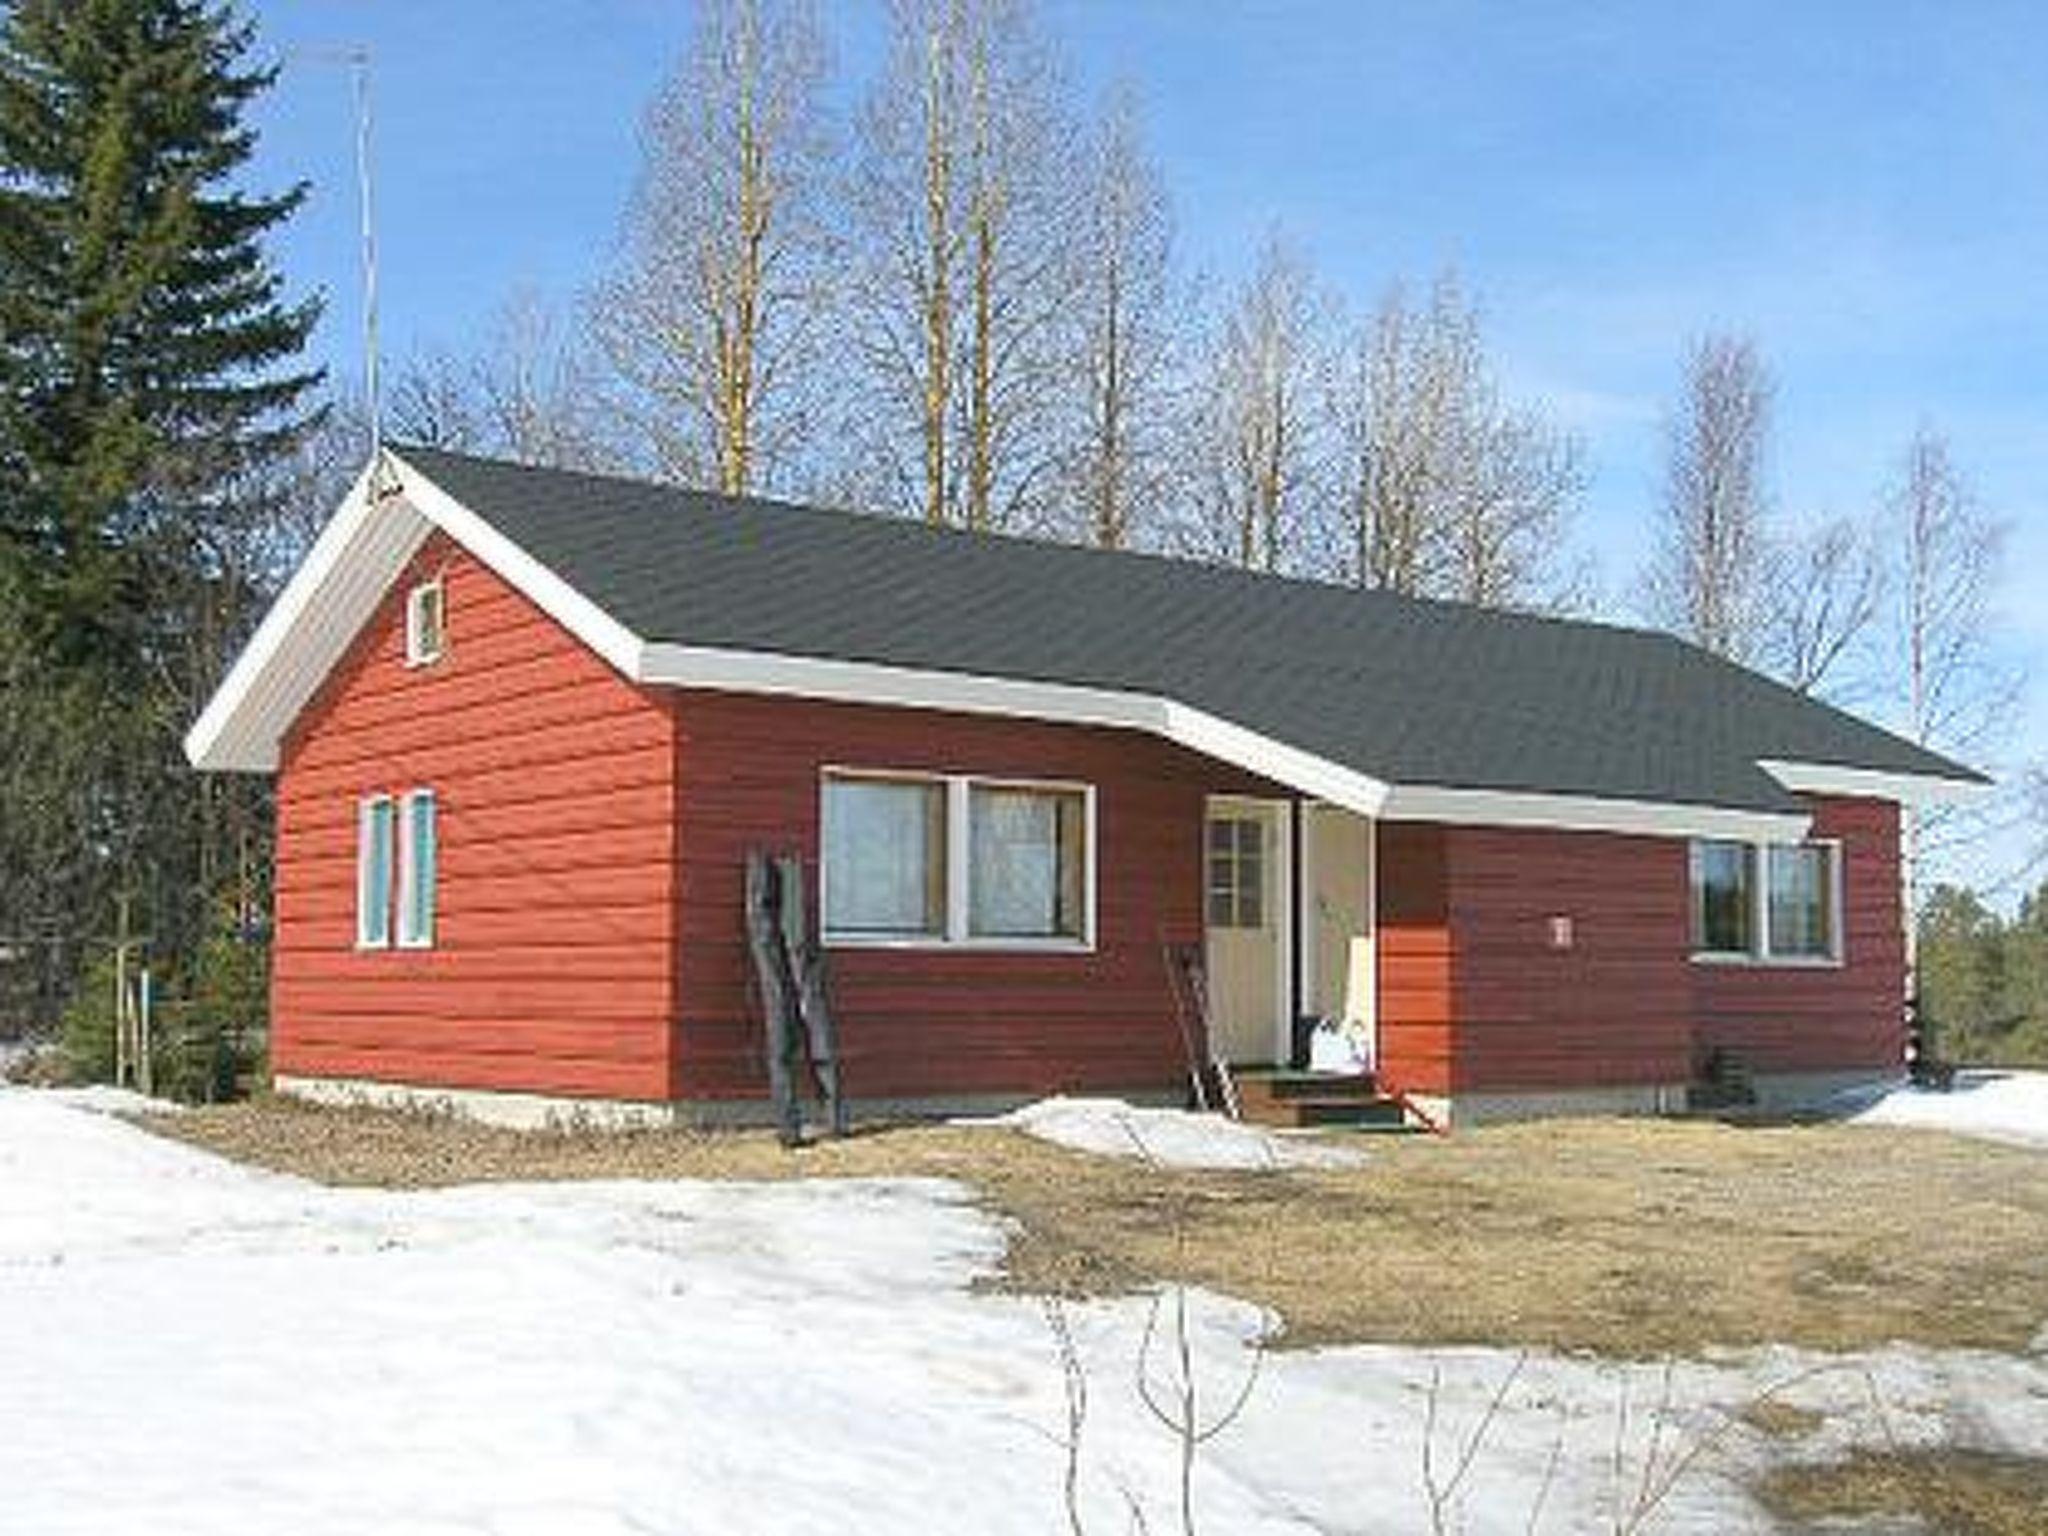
(425, 624)
(1237, 872)
(418, 858)
(373, 872)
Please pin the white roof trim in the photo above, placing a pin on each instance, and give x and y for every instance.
(1872, 783)
(1589, 813)
(336, 587)
(575, 612)
(370, 538)
(861, 682)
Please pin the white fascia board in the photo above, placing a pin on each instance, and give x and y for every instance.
(554, 596)
(1872, 783)
(860, 682)
(1587, 813)
(225, 736)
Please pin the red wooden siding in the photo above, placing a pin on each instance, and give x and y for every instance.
(1414, 958)
(933, 1022)
(1610, 1010)
(1823, 1019)
(553, 964)
(590, 939)
(1465, 934)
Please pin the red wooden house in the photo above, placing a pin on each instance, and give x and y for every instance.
(526, 724)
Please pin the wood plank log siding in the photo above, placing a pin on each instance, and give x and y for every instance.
(1825, 1018)
(918, 1023)
(553, 964)
(1465, 935)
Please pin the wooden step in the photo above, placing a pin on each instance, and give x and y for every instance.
(1274, 1084)
(1373, 1112)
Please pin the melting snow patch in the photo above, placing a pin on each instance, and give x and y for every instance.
(2000, 1106)
(1173, 1137)
(194, 1347)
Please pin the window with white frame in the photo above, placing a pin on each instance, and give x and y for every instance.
(373, 872)
(426, 627)
(956, 859)
(885, 858)
(1027, 863)
(1801, 921)
(418, 861)
(1767, 901)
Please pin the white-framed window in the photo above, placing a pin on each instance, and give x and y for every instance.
(374, 820)
(426, 623)
(885, 858)
(956, 859)
(418, 869)
(1236, 866)
(1767, 902)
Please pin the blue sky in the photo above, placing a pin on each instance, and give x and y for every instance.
(1863, 187)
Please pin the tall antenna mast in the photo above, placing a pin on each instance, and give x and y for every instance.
(366, 187)
(356, 56)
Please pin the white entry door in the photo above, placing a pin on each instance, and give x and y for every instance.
(1246, 895)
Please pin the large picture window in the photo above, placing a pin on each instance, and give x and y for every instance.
(885, 857)
(1767, 901)
(1027, 862)
(954, 859)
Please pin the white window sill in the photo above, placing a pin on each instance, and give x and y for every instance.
(937, 945)
(1767, 962)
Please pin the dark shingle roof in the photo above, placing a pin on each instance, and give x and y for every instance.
(1405, 690)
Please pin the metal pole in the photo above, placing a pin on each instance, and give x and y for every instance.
(366, 188)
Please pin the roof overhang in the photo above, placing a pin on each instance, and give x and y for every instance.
(391, 510)
(1915, 789)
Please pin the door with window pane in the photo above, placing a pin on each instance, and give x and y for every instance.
(1244, 868)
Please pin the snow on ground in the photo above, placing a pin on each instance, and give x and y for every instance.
(187, 1346)
(1172, 1137)
(2001, 1106)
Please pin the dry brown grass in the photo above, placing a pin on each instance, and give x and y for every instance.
(1632, 1238)
(1958, 1493)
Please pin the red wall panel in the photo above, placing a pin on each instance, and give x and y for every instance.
(925, 1022)
(553, 969)
(1466, 935)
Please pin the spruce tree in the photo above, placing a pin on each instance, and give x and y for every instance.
(147, 354)
(149, 384)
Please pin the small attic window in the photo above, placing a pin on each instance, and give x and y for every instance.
(426, 629)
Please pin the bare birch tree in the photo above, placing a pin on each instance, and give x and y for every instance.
(1447, 489)
(1825, 589)
(713, 314)
(531, 392)
(960, 197)
(1253, 444)
(1707, 574)
(1956, 698)
(1123, 319)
